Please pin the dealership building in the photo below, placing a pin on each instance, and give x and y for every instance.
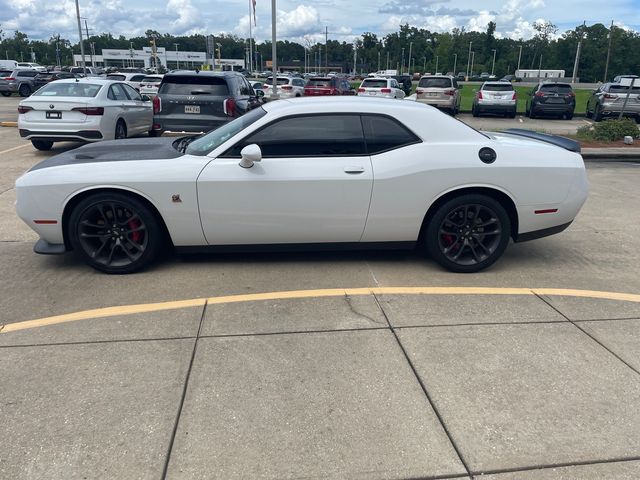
(170, 59)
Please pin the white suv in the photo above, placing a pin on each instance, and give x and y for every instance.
(287, 87)
(381, 88)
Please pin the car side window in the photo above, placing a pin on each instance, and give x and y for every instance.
(131, 92)
(384, 133)
(245, 88)
(116, 92)
(307, 136)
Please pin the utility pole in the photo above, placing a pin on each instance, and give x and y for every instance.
(355, 57)
(326, 49)
(58, 50)
(540, 66)
(493, 65)
(387, 60)
(578, 51)
(84, 66)
(410, 47)
(455, 63)
(274, 53)
(473, 61)
(437, 62)
(519, 58)
(90, 54)
(606, 65)
(402, 64)
(378, 60)
(469, 61)
(178, 60)
(250, 38)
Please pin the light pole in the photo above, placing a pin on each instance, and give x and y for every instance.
(424, 65)
(519, 58)
(469, 60)
(274, 58)
(473, 60)
(378, 60)
(437, 62)
(84, 65)
(178, 59)
(387, 60)
(493, 65)
(455, 63)
(410, 47)
(402, 63)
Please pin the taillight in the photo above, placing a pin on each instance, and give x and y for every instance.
(610, 96)
(515, 96)
(157, 105)
(450, 92)
(286, 87)
(539, 94)
(24, 109)
(385, 90)
(479, 94)
(360, 90)
(571, 94)
(419, 90)
(9, 79)
(89, 110)
(229, 107)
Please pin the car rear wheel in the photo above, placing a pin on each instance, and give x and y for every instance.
(42, 144)
(474, 111)
(568, 116)
(6, 94)
(468, 233)
(24, 90)
(115, 233)
(121, 130)
(597, 114)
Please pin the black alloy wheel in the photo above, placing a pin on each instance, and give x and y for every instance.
(115, 233)
(121, 130)
(468, 233)
(24, 90)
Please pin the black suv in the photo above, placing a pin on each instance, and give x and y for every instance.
(199, 101)
(46, 77)
(551, 98)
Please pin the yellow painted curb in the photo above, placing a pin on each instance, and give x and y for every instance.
(8, 124)
(332, 292)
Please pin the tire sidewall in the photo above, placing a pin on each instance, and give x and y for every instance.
(120, 124)
(154, 232)
(432, 240)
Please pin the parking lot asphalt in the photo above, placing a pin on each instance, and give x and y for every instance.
(343, 365)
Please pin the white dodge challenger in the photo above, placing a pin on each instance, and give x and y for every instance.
(312, 173)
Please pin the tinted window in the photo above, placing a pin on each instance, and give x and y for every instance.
(28, 73)
(319, 82)
(435, 83)
(556, 88)
(131, 93)
(281, 81)
(147, 79)
(497, 87)
(194, 85)
(116, 92)
(312, 136)
(71, 89)
(375, 83)
(621, 89)
(384, 133)
(115, 77)
(137, 78)
(215, 138)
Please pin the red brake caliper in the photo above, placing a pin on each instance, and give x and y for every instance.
(136, 236)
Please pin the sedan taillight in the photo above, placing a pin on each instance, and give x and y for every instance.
(419, 90)
(9, 79)
(157, 105)
(286, 87)
(24, 109)
(451, 93)
(385, 90)
(360, 90)
(89, 110)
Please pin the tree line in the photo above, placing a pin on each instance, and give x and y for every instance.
(430, 51)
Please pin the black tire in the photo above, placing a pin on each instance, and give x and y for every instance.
(130, 246)
(44, 145)
(6, 94)
(588, 114)
(121, 130)
(24, 90)
(155, 133)
(513, 114)
(531, 114)
(474, 111)
(451, 226)
(569, 116)
(597, 114)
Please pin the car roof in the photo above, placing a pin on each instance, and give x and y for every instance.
(449, 77)
(206, 73)
(496, 82)
(342, 104)
(94, 80)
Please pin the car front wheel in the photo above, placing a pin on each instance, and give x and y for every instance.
(6, 94)
(115, 233)
(121, 130)
(468, 233)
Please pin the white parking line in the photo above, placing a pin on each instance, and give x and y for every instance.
(15, 148)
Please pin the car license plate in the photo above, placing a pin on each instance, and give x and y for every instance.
(54, 115)
(432, 94)
(555, 100)
(192, 109)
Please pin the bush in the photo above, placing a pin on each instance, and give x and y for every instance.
(609, 130)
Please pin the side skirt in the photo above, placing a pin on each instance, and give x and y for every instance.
(298, 247)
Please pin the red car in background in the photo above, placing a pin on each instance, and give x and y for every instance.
(328, 86)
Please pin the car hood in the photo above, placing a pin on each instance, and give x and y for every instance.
(115, 151)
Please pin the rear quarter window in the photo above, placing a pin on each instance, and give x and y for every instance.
(194, 85)
(383, 134)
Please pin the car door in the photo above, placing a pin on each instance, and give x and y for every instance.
(121, 106)
(142, 112)
(313, 185)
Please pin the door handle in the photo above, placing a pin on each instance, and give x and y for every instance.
(354, 170)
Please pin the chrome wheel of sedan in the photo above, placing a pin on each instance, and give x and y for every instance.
(114, 233)
(468, 233)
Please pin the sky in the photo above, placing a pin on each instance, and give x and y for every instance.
(305, 21)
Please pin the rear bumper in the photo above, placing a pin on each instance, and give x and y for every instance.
(9, 87)
(496, 107)
(45, 248)
(181, 123)
(630, 110)
(438, 103)
(553, 108)
(88, 135)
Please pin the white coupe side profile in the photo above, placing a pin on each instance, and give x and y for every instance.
(328, 172)
(83, 109)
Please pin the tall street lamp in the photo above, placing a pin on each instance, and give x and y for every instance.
(84, 65)
(437, 62)
(519, 58)
(455, 63)
(177, 59)
(410, 47)
(493, 65)
(473, 60)
(378, 60)
(402, 64)
(469, 60)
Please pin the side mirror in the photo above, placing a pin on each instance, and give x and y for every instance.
(250, 154)
(259, 93)
(146, 98)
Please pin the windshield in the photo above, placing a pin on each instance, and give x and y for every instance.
(435, 83)
(75, 89)
(215, 138)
